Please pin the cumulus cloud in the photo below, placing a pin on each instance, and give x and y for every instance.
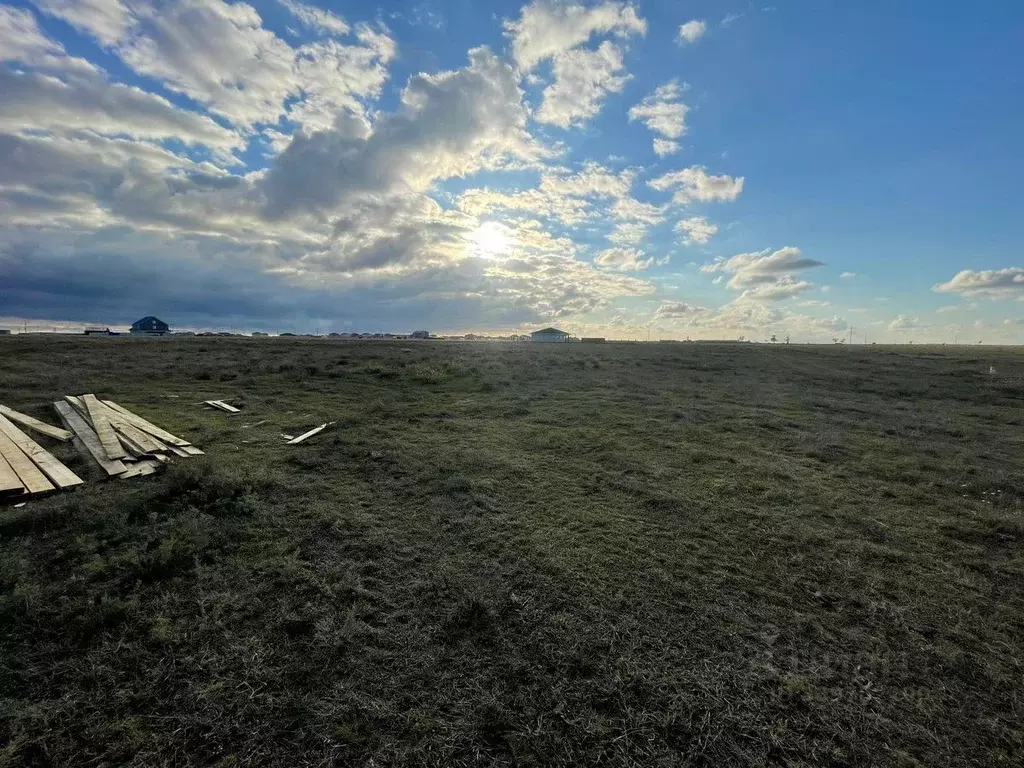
(547, 28)
(762, 267)
(694, 184)
(691, 31)
(677, 309)
(623, 259)
(582, 80)
(449, 124)
(696, 229)
(765, 275)
(106, 20)
(221, 56)
(848, 275)
(992, 283)
(628, 233)
(51, 90)
(904, 323)
(785, 287)
(665, 147)
(664, 114)
(317, 18)
(561, 194)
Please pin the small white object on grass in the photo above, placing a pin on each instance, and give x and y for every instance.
(991, 370)
(310, 433)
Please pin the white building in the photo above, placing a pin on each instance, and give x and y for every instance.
(549, 334)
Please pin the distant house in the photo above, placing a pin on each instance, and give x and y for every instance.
(97, 331)
(5, 331)
(420, 335)
(150, 326)
(549, 334)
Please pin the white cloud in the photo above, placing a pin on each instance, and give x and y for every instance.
(763, 267)
(593, 180)
(316, 18)
(664, 114)
(665, 147)
(784, 287)
(630, 209)
(696, 229)
(677, 309)
(991, 283)
(221, 56)
(623, 259)
(948, 308)
(691, 31)
(450, 124)
(904, 323)
(582, 80)
(67, 94)
(848, 275)
(694, 184)
(106, 20)
(561, 194)
(547, 28)
(628, 233)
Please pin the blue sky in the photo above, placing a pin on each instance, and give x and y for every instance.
(702, 169)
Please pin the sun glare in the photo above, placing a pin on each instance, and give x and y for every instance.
(491, 240)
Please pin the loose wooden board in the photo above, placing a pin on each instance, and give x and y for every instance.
(35, 424)
(74, 421)
(32, 480)
(222, 406)
(304, 435)
(104, 429)
(10, 483)
(191, 450)
(46, 461)
(146, 426)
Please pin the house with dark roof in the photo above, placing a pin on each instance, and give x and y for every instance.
(150, 326)
(549, 334)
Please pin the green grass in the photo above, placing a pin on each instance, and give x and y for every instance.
(655, 555)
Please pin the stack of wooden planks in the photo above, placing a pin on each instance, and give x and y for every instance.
(123, 444)
(26, 468)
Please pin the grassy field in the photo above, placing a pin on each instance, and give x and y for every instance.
(504, 554)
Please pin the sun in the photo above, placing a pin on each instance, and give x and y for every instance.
(491, 240)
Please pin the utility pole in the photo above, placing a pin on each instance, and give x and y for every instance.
(851, 334)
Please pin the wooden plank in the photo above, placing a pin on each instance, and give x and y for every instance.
(10, 483)
(32, 479)
(191, 450)
(51, 466)
(146, 426)
(146, 442)
(35, 424)
(177, 451)
(104, 429)
(144, 467)
(74, 421)
(303, 436)
(79, 406)
(222, 406)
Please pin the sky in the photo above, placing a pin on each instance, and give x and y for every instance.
(705, 169)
